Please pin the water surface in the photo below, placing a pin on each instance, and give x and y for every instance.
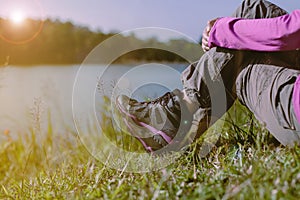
(30, 96)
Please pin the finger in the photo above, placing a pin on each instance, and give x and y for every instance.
(205, 48)
(208, 29)
(205, 45)
(205, 40)
(205, 31)
(209, 26)
(205, 36)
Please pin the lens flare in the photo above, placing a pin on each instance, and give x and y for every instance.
(17, 17)
(21, 21)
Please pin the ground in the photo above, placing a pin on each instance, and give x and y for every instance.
(243, 165)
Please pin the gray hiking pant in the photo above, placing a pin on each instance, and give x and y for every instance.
(261, 81)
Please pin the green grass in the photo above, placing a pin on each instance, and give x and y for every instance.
(244, 165)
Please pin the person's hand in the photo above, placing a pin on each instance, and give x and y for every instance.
(205, 34)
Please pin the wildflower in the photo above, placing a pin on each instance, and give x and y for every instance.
(6, 132)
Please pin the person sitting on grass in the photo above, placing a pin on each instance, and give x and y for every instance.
(263, 81)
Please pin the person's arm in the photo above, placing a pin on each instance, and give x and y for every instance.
(272, 34)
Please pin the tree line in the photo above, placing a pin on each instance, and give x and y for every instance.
(50, 41)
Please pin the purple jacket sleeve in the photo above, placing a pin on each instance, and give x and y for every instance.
(272, 34)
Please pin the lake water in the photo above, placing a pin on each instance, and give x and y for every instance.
(32, 95)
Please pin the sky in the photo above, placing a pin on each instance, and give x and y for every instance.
(188, 17)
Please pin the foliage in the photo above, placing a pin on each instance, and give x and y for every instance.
(242, 166)
(55, 42)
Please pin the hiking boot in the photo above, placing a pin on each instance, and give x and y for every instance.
(154, 123)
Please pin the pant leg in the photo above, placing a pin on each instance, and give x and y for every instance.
(206, 81)
(267, 91)
(204, 86)
(253, 9)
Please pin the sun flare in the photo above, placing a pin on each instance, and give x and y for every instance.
(17, 17)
